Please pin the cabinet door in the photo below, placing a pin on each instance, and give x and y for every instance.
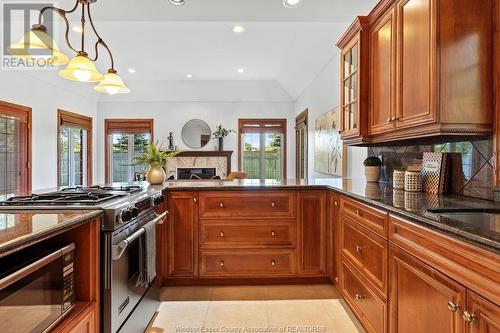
(183, 234)
(312, 233)
(383, 70)
(332, 256)
(416, 64)
(481, 315)
(350, 88)
(422, 299)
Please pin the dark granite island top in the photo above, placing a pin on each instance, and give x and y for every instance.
(21, 228)
(410, 205)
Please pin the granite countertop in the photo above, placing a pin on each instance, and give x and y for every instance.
(22, 228)
(412, 206)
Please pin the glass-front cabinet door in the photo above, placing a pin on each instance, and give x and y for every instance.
(350, 94)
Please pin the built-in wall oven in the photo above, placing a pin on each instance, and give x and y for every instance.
(36, 289)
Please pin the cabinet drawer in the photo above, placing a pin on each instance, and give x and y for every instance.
(363, 300)
(247, 204)
(367, 251)
(254, 233)
(244, 263)
(371, 218)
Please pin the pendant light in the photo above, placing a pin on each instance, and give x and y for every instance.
(81, 67)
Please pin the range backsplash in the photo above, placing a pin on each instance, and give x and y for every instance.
(477, 162)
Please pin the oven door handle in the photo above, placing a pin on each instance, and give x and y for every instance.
(27, 270)
(119, 249)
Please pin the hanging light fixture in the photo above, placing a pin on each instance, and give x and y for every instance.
(81, 67)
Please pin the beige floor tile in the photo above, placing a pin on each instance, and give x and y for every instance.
(327, 291)
(345, 326)
(183, 314)
(197, 293)
(236, 314)
(289, 292)
(297, 313)
(238, 293)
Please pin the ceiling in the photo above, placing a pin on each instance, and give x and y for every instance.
(166, 43)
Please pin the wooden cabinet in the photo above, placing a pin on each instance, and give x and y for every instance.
(312, 233)
(427, 76)
(422, 299)
(383, 74)
(481, 316)
(354, 82)
(333, 229)
(182, 251)
(82, 319)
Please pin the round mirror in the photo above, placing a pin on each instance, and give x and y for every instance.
(196, 133)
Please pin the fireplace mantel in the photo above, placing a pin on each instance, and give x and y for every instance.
(209, 153)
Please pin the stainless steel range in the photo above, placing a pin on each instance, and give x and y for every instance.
(129, 288)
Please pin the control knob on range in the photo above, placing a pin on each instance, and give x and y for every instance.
(126, 215)
(135, 211)
(158, 199)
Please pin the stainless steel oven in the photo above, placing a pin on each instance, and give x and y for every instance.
(36, 289)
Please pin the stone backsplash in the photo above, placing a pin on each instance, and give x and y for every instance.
(477, 162)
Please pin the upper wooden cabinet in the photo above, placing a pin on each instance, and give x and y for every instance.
(353, 81)
(430, 70)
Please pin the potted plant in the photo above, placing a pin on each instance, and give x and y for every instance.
(372, 169)
(220, 133)
(155, 158)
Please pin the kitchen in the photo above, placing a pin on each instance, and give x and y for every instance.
(268, 166)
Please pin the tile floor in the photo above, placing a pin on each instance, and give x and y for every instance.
(267, 309)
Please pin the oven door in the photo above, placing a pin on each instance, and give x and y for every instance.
(31, 298)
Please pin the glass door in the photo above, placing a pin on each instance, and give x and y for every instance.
(124, 148)
(73, 156)
(262, 155)
(350, 106)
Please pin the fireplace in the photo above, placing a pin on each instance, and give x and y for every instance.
(195, 173)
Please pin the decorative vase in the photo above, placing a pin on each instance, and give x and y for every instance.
(221, 144)
(156, 175)
(372, 173)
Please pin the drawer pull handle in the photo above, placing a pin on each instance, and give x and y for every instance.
(273, 262)
(359, 297)
(389, 120)
(452, 306)
(221, 263)
(222, 233)
(359, 248)
(468, 317)
(273, 234)
(358, 212)
(336, 203)
(221, 204)
(273, 204)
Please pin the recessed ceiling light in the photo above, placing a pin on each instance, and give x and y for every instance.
(291, 3)
(177, 2)
(189, 76)
(77, 28)
(241, 70)
(239, 29)
(131, 70)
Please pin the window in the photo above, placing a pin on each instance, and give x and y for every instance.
(262, 148)
(74, 149)
(126, 139)
(15, 150)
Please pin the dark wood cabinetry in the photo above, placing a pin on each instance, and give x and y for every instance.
(312, 233)
(427, 76)
(182, 238)
(481, 316)
(333, 230)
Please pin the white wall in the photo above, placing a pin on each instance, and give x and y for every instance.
(322, 95)
(44, 99)
(171, 116)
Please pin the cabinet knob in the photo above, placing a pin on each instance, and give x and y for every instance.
(273, 262)
(359, 297)
(221, 263)
(195, 200)
(359, 248)
(273, 204)
(273, 233)
(336, 203)
(358, 212)
(389, 120)
(468, 317)
(452, 306)
(221, 204)
(222, 233)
